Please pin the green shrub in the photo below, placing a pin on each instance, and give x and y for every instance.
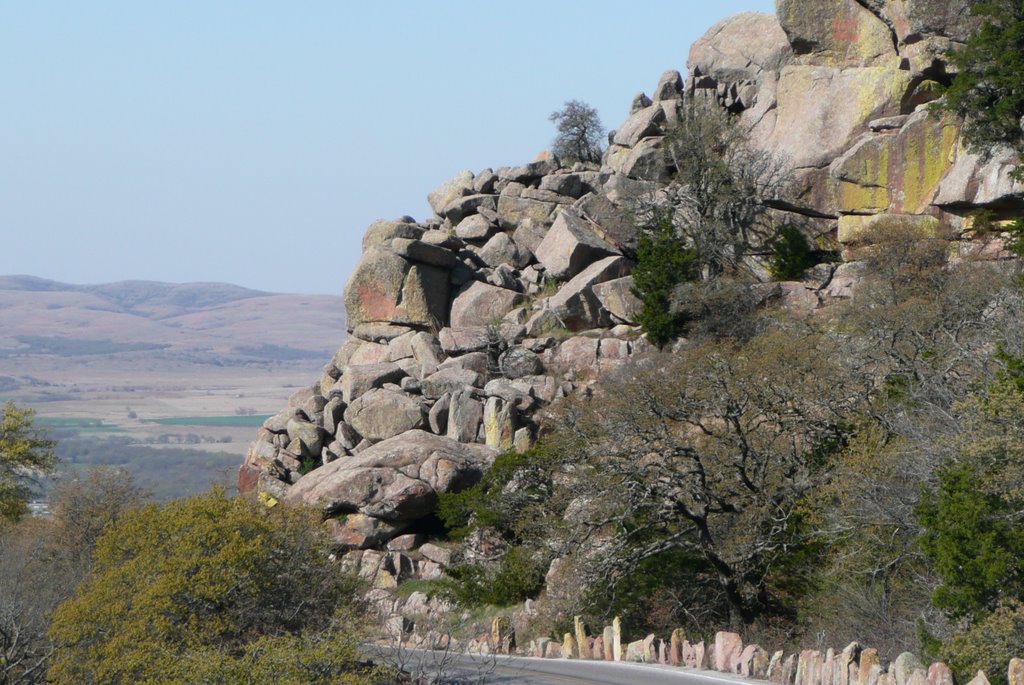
(487, 504)
(971, 542)
(792, 255)
(519, 576)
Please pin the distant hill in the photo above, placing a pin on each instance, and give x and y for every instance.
(216, 322)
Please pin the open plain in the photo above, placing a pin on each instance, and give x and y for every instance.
(168, 380)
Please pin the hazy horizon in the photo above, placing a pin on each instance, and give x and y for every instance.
(252, 143)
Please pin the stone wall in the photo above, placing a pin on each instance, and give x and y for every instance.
(852, 665)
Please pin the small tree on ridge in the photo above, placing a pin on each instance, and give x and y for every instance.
(579, 132)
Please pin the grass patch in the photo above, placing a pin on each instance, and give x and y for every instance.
(81, 424)
(253, 421)
(431, 588)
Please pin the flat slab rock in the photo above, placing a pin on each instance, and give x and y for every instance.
(395, 480)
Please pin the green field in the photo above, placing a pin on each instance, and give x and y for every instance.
(85, 425)
(254, 421)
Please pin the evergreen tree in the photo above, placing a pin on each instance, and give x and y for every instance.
(664, 261)
(988, 90)
(792, 254)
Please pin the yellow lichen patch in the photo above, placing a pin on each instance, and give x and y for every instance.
(875, 88)
(925, 153)
(896, 173)
(851, 227)
(861, 183)
(858, 198)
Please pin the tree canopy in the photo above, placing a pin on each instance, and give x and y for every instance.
(179, 591)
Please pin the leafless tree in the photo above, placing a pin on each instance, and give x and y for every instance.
(428, 654)
(579, 132)
(720, 188)
(710, 451)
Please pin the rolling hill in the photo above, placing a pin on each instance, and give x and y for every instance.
(215, 321)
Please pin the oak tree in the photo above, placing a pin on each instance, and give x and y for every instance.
(173, 586)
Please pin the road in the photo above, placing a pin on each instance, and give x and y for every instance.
(466, 669)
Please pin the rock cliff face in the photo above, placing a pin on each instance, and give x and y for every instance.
(465, 326)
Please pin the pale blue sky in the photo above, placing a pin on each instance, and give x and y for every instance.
(252, 142)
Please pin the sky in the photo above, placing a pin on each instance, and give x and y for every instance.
(252, 142)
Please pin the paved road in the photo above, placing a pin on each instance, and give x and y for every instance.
(464, 669)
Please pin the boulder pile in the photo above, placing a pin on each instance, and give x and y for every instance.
(464, 327)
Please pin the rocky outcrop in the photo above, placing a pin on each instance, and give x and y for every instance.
(836, 88)
(465, 326)
(457, 341)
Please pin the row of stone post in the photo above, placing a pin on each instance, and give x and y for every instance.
(853, 665)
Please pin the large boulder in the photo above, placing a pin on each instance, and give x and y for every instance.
(925, 30)
(570, 246)
(517, 361)
(309, 436)
(842, 32)
(449, 380)
(816, 112)
(644, 162)
(727, 650)
(394, 480)
(381, 414)
(386, 288)
(425, 253)
(740, 48)
(363, 378)
(645, 123)
(465, 413)
(513, 211)
(617, 297)
(611, 223)
(458, 186)
(469, 205)
(475, 227)
(501, 249)
(383, 231)
(358, 531)
(577, 355)
(575, 303)
(481, 304)
(974, 181)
